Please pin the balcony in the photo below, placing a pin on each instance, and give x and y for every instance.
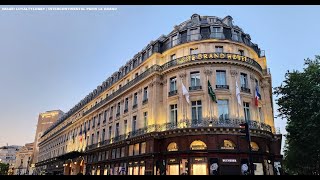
(134, 106)
(145, 101)
(172, 93)
(222, 86)
(126, 110)
(195, 88)
(195, 123)
(245, 89)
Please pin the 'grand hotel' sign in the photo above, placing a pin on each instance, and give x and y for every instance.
(207, 56)
(212, 56)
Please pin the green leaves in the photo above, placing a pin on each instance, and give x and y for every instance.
(299, 103)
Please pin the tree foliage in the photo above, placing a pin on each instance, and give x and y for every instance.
(4, 168)
(299, 103)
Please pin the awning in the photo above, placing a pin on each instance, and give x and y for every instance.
(70, 155)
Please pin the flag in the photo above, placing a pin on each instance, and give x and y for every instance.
(257, 96)
(185, 92)
(211, 92)
(238, 93)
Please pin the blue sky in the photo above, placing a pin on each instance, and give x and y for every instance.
(52, 59)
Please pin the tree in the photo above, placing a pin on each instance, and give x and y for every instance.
(4, 168)
(299, 103)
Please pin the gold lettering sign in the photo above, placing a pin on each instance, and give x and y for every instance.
(206, 56)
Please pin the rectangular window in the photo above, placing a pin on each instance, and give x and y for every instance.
(126, 103)
(261, 115)
(93, 122)
(174, 113)
(110, 132)
(174, 40)
(219, 49)
(193, 51)
(145, 94)
(195, 79)
(99, 119)
(221, 77)
(103, 134)
(216, 32)
(131, 150)
(145, 119)
(244, 80)
(194, 34)
(241, 52)
(143, 147)
(98, 136)
(111, 112)
(134, 123)
(92, 139)
(135, 98)
(173, 84)
(136, 149)
(118, 109)
(172, 57)
(113, 153)
(125, 127)
(123, 151)
(105, 116)
(117, 130)
(246, 109)
(196, 110)
(223, 109)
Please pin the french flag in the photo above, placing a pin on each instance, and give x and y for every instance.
(257, 96)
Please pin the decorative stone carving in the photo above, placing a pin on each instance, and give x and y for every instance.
(264, 83)
(140, 91)
(130, 96)
(122, 101)
(233, 72)
(151, 84)
(252, 77)
(208, 72)
(182, 75)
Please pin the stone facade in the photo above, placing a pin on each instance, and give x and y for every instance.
(127, 124)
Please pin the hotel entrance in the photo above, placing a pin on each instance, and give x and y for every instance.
(199, 166)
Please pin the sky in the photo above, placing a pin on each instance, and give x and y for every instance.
(52, 59)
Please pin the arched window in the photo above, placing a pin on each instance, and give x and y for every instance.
(254, 146)
(172, 147)
(198, 145)
(227, 144)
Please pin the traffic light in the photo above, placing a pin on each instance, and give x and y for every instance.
(245, 129)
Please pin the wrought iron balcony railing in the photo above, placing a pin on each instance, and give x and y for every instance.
(245, 89)
(194, 88)
(173, 92)
(195, 123)
(222, 86)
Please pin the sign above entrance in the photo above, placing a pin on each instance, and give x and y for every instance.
(229, 160)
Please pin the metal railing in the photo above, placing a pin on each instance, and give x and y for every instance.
(194, 88)
(222, 86)
(172, 93)
(245, 89)
(201, 123)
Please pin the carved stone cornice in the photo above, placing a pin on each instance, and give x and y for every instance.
(233, 72)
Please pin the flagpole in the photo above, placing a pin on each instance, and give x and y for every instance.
(182, 104)
(235, 78)
(210, 114)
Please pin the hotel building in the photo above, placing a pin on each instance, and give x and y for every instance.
(155, 116)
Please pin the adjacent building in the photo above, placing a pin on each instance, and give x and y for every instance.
(23, 160)
(8, 156)
(174, 108)
(45, 120)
